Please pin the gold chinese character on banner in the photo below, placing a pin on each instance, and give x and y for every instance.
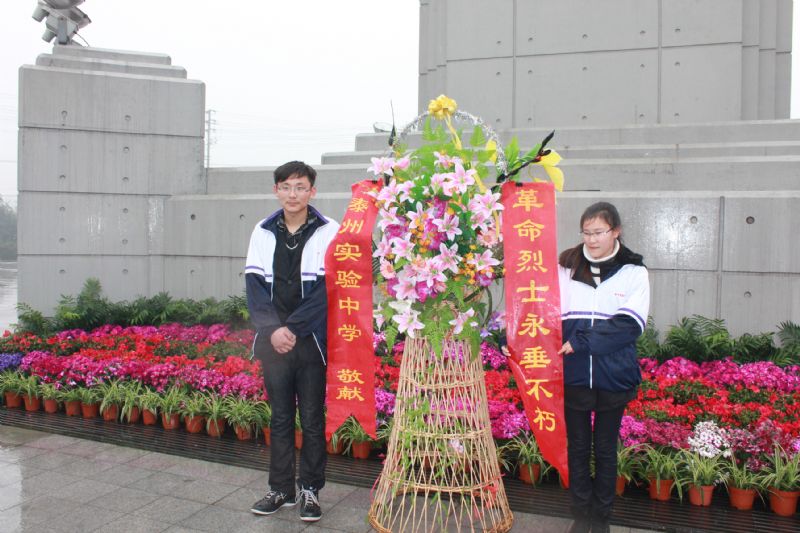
(350, 393)
(348, 375)
(531, 290)
(358, 205)
(530, 260)
(526, 199)
(351, 226)
(545, 417)
(532, 325)
(533, 358)
(345, 252)
(349, 332)
(529, 229)
(534, 391)
(349, 305)
(348, 279)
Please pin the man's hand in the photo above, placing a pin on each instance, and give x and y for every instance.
(566, 349)
(283, 340)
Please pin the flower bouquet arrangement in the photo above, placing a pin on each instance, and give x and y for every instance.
(440, 244)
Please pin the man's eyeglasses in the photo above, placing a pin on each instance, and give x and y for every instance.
(597, 234)
(286, 189)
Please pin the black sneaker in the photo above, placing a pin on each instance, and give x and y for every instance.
(273, 501)
(310, 510)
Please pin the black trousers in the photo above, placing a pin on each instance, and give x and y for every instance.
(295, 380)
(592, 498)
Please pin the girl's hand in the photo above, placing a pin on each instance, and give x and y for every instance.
(566, 349)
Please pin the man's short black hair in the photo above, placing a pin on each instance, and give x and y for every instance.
(295, 168)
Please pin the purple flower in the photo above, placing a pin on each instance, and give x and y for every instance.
(10, 361)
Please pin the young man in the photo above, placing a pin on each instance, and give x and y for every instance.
(285, 276)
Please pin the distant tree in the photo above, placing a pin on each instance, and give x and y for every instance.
(8, 232)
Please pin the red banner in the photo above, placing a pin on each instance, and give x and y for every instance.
(348, 277)
(533, 313)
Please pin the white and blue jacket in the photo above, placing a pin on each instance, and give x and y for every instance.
(602, 321)
(310, 318)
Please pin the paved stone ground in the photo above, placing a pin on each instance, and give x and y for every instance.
(52, 483)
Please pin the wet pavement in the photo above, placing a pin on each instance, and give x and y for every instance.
(52, 483)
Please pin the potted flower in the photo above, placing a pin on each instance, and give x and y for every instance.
(170, 405)
(10, 386)
(298, 431)
(335, 445)
(782, 476)
(356, 441)
(659, 468)
(264, 419)
(525, 451)
(29, 388)
(241, 414)
(215, 416)
(149, 403)
(628, 463)
(49, 394)
(194, 409)
(71, 398)
(90, 402)
(701, 474)
(129, 406)
(112, 397)
(743, 484)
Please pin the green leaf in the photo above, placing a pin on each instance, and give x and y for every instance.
(477, 139)
(512, 150)
(427, 131)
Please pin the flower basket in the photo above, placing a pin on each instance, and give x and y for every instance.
(701, 495)
(50, 405)
(13, 400)
(72, 407)
(32, 403)
(783, 502)
(171, 420)
(742, 499)
(194, 424)
(149, 418)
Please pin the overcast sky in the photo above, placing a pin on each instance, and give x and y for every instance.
(288, 79)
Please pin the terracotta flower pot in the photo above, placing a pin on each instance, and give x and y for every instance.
(298, 438)
(361, 449)
(149, 418)
(661, 490)
(194, 424)
(90, 410)
(621, 484)
(267, 435)
(171, 421)
(215, 427)
(134, 415)
(111, 413)
(72, 407)
(243, 432)
(13, 400)
(337, 450)
(529, 473)
(701, 494)
(742, 499)
(50, 406)
(783, 502)
(32, 403)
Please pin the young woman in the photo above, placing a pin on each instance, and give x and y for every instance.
(605, 296)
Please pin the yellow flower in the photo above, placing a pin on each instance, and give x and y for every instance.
(549, 163)
(442, 107)
(491, 147)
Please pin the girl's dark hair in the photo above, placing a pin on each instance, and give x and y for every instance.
(569, 258)
(292, 168)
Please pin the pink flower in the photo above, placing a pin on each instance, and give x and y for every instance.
(448, 225)
(483, 261)
(461, 319)
(382, 165)
(448, 258)
(402, 164)
(408, 322)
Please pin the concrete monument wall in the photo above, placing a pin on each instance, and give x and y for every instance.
(558, 63)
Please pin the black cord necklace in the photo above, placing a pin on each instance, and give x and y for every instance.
(292, 239)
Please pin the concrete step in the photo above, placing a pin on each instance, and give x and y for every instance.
(109, 65)
(674, 151)
(712, 132)
(740, 173)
